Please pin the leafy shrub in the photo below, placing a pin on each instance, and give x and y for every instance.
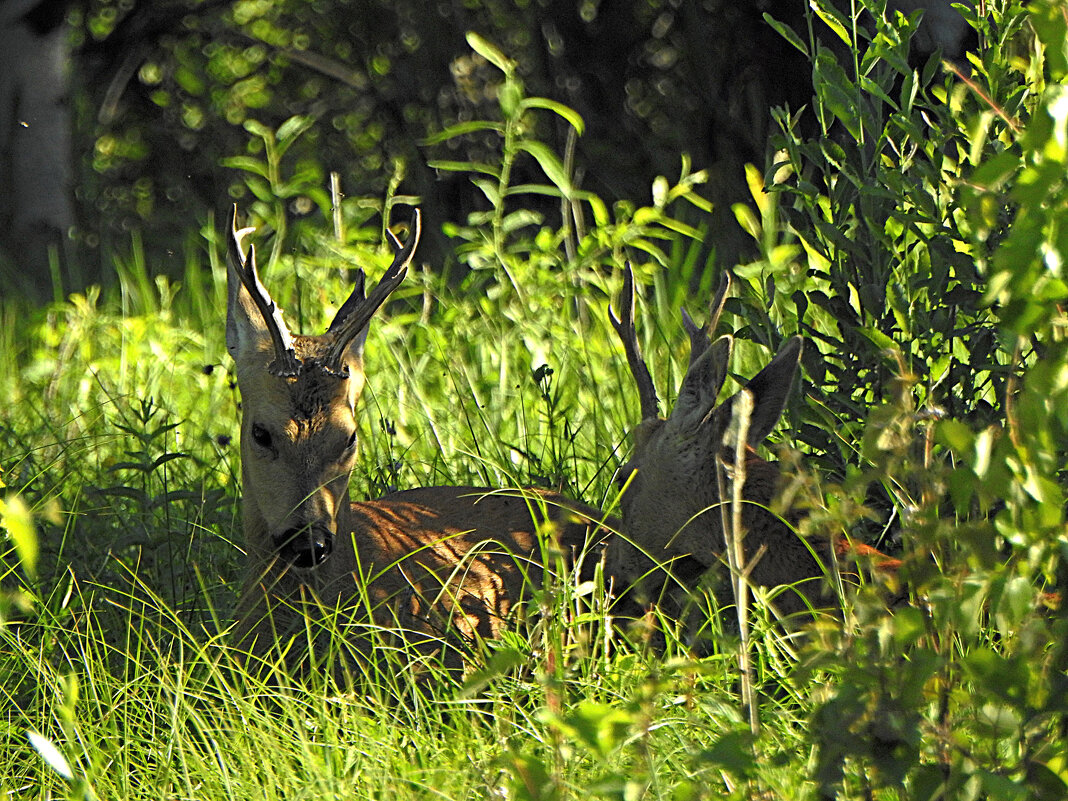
(927, 212)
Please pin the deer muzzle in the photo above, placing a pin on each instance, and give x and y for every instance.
(306, 546)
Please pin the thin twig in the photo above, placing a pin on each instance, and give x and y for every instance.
(983, 95)
(734, 535)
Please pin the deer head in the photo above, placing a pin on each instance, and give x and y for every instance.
(671, 499)
(298, 396)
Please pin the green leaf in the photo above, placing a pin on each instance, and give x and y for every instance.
(462, 129)
(955, 435)
(300, 184)
(836, 91)
(996, 676)
(290, 130)
(257, 128)
(870, 86)
(260, 188)
(733, 752)
(533, 189)
(464, 166)
(647, 215)
(568, 113)
(550, 165)
(17, 519)
(600, 727)
(50, 754)
(1053, 779)
(907, 628)
(748, 220)
(190, 81)
(995, 170)
(531, 781)
(246, 163)
(167, 457)
(1049, 22)
(878, 338)
(490, 52)
(490, 189)
(501, 662)
(833, 19)
(520, 219)
(597, 207)
(1016, 602)
(696, 200)
(787, 33)
(680, 228)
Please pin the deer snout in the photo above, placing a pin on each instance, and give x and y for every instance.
(305, 546)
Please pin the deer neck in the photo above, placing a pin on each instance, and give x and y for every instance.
(762, 479)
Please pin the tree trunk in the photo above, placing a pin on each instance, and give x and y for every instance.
(36, 207)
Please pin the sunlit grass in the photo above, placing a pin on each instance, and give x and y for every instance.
(124, 418)
(138, 705)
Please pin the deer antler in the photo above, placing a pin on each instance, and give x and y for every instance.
(701, 338)
(358, 310)
(285, 364)
(624, 326)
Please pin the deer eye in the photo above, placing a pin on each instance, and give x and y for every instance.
(261, 436)
(352, 441)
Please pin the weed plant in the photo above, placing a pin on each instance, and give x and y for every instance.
(913, 236)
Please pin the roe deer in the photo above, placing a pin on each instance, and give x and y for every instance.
(432, 570)
(673, 514)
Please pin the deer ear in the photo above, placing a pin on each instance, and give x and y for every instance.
(245, 328)
(703, 381)
(253, 320)
(770, 389)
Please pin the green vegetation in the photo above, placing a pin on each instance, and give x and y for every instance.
(166, 91)
(915, 236)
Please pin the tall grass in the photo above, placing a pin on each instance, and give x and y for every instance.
(124, 423)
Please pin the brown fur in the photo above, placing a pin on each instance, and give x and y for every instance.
(673, 511)
(438, 569)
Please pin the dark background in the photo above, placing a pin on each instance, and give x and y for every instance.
(114, 115)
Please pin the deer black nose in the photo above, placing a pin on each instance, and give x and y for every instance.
(307, 546)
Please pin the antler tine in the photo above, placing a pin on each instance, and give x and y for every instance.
(701, 338)
(715, 311)
(624, 326)
(356, 297)
(285, 364)
(346, 327)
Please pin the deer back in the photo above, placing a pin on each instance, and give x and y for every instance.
(435, 571)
